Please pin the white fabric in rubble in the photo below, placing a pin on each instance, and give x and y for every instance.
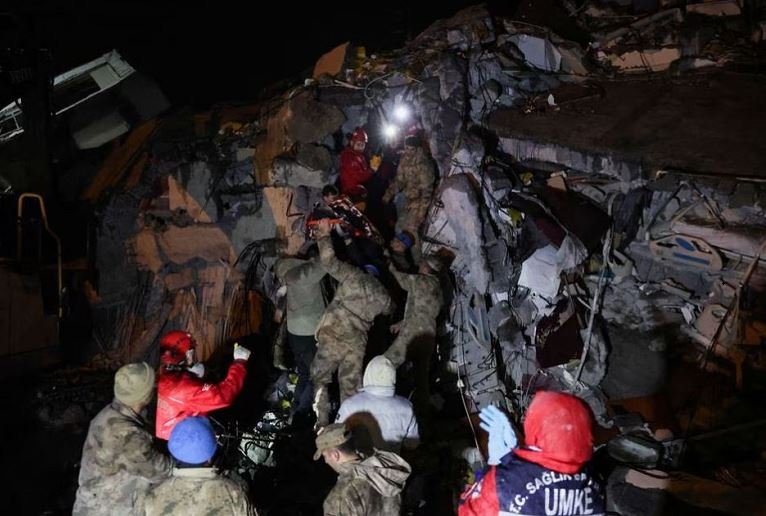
(541, 272)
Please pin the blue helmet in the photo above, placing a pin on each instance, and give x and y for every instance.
(192, 441)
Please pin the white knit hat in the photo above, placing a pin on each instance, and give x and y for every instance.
(380, 372)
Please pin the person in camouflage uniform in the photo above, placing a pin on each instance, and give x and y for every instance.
(415, 179)
(342, 331)
(417, 330)
(119, 460)
(370, 482)
(195, 488)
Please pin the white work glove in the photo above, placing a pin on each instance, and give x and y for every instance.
(197, 369)
(241, 352)
(501, 437)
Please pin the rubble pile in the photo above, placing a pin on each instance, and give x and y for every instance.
(556, 253)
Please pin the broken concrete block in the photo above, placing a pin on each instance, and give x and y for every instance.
(715, 8)
(458, 225)
(314, 157)
(572, 59)
(288, 172)
(468, 157)
(739, 239)
(309, 121)
(146, 252)
(655, 60)
(643, 26)
(744, 194)
(469, 28)
(179, 280)
(687, 251)
(212, 279)
(274, 220)
(245, 153)
(332, 62)
(270, 144)
(538, 52)
(208, 242)
(190, 193)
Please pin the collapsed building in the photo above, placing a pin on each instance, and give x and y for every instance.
(598, 227)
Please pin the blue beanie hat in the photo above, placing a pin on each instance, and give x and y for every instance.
(371, 269)
(192, 441)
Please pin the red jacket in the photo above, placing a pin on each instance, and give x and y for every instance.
(551, 475)
(354, 170)
(181, 394)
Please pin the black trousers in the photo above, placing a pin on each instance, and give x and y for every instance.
(303, 348)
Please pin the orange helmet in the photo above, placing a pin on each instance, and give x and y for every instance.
(174, 345)
(359, 135)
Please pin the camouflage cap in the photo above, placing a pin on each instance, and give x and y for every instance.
(330, 437)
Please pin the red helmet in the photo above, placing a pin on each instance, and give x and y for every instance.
(359, 135)
(174, 345)
(558, 426)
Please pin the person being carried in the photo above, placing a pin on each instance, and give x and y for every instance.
(369, 482)
(119, 459)
(183, 392)
(353, 234)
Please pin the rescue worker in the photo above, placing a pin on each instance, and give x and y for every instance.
(195, 487)
(304, 307)
(550, 475)
(414, 179)
(387, 418)
(369, 484)
(182, 391)
(416, 333)
(342, 332)
(119, 459)
(355, 171)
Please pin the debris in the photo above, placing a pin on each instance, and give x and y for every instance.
(179, 280)
(206, 241)
(686, 250)
(538, 52)
(332, 62)
(715, 8)
(655, 60)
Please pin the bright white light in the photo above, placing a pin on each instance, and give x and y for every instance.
(390, 130)
(401, 113)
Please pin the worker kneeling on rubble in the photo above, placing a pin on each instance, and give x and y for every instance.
(342, 331)
(387, 418)
(195, 486)
(548, 476)
(182, 392)
(119, 460)
(369, 483)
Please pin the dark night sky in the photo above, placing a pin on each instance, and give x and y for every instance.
(222, 50)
